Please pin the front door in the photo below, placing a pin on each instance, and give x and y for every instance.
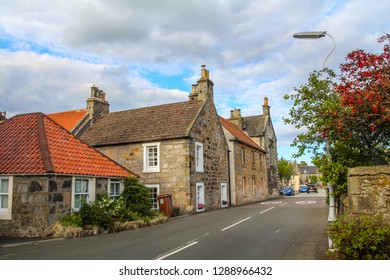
(200, 197)
(224, 200)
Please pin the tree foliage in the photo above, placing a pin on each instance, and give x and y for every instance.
(346, 117)
(136, 196)
(364, 90)
(285, 169)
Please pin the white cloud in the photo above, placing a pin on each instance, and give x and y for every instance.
(51, 53)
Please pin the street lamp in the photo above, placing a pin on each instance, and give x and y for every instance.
(317, 35)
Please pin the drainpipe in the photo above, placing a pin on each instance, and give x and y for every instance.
(229, 181)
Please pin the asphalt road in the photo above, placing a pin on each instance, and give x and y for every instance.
(289, 228)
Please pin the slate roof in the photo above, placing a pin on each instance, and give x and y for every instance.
(240, 135)
(310, 169)
(155, 123)
(33, 144)
(69, 119)
(255, 125)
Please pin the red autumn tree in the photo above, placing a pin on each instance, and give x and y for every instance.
(364, 90)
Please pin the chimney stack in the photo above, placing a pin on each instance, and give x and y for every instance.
(203, 89)
(266, 107)
(97, 104)
(236, 118)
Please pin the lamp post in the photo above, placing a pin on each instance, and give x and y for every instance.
(317, 35)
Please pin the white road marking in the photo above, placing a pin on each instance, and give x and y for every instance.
(176, 251)
(278, 230)
(266, 210)
(306, 202)
(282, 204)
(239, 222)
(271, 202)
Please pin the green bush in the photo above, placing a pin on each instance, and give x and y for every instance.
(360, 238)
(73, 219)
(104, 212)
(137, 197)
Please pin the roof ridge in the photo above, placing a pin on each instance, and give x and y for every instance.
(44, 147)
(62, 112)
(150, 107)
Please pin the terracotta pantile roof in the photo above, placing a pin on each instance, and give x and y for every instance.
(69, 119)
(148, 124)
(240, 135)
(35, 144)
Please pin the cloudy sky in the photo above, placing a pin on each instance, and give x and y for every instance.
(148, 52)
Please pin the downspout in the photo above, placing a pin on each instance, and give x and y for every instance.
(229, 181)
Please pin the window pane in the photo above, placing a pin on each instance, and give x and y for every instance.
(85, 186)
(115, 188)
(4, 201)
(78, 186)
(152, 156)
(77, 201)
(4, 186)
(153, 199)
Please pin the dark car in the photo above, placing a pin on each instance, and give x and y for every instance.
(289, 191)
(312, 188)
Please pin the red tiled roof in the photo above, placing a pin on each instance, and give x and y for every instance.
(240, 135)
(69, 119)
(35, 144)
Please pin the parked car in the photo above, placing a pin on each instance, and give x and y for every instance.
(287, 190)
(312, 188)
(303, 188)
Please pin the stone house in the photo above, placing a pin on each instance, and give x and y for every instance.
(177, 149)
(248, 175)
(303, 175)
(45, 172)
(261, 130)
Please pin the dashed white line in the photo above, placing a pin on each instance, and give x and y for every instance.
(239, 222)
(266, 210)
(176, 251)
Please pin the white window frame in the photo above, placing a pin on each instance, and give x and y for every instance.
(90, 194)
(147, 167)
(199, 159)
(115, 181)
(154, 200)
(6, 213)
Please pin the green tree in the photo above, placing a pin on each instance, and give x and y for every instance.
(285, 170)
(136, 196)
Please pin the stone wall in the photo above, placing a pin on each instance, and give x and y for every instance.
(38, 202)
(174, 174)
(368, 191)
(249, 170)
(208, 131)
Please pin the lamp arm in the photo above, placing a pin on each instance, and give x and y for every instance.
(334, 46)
